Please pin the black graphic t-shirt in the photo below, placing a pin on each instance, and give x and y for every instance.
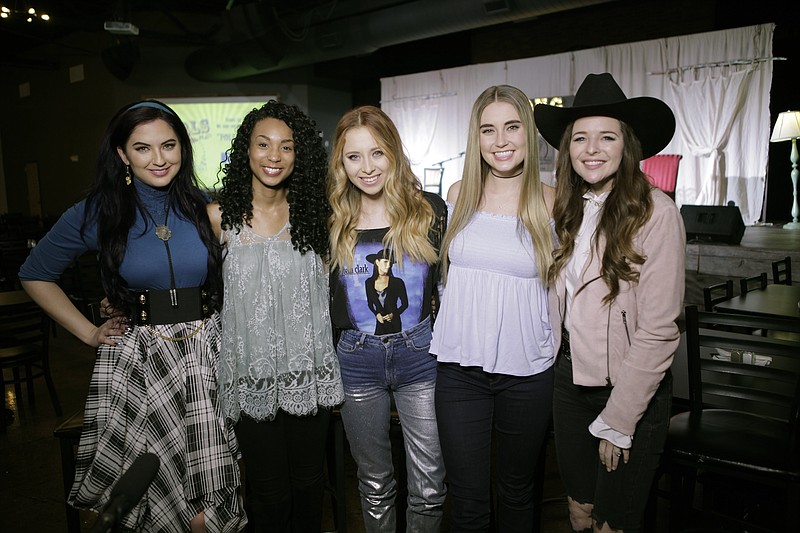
(378, 296)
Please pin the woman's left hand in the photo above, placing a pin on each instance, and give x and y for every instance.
(610, 455)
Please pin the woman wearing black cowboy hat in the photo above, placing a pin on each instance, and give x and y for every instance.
(617, 286)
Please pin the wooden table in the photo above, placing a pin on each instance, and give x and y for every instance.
(780, 301)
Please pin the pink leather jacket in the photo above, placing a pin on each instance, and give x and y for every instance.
(631, 341)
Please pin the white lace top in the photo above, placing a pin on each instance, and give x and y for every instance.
(277, 343)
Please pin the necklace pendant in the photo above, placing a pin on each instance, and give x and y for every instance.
(163, 232)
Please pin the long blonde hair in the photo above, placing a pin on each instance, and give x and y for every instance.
(531, 210)
(410, 215)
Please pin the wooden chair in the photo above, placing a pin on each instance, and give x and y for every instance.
(25, 345)
(752, 283)
(662, 171)
(68, 434)
(432, 180)
(715, 294)
(782, 271)
(12, 255)
(743, 426)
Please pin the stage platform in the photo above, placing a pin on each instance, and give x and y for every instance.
(760, 246)
(711, 263)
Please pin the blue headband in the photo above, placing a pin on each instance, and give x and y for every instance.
(155, 105)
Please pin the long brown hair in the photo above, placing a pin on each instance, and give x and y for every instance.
(410, 215)
(625, 211)
(531, 210)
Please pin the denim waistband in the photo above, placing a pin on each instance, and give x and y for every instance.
(406, 335)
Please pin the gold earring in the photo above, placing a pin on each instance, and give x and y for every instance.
(128, 175)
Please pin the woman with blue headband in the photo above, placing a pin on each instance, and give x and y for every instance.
(154, 385)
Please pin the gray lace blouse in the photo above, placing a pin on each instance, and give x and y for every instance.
(277, 343)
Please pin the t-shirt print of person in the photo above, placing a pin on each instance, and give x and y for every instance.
(387, 297)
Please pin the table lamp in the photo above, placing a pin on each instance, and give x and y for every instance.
(787, 128)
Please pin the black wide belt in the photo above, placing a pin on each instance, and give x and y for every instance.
(172, 306)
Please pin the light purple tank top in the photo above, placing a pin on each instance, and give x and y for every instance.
(494, 309)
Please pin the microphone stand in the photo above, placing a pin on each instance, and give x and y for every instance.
(111, 517)
(441, 163)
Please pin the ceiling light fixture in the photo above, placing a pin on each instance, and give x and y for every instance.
(30, 14)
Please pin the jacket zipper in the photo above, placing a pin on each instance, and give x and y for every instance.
(608, 349)
(608, 342)
(625, 323)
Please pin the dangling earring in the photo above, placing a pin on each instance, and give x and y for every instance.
(128, 175)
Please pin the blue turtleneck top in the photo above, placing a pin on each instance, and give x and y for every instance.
(145, 265)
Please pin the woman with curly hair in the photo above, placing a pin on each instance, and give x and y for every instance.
(385, 234)
(154, 387)
(618, 281)
(278, 372)
(492, 337)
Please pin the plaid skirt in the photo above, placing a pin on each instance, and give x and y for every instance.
(156, 392)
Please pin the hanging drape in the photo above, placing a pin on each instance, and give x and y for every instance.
(416, 122)
(705, 111)
(723, 112)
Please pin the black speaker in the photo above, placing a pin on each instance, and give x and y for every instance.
(713, 223)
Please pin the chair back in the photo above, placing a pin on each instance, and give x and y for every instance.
(432, 180)
(753, 282)
(714, 294)
(742, 372)
(24, 327)
(782, 271)
(662, 171)
(12, 255)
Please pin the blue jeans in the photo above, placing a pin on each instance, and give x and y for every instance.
(475, 408)
(375, 368)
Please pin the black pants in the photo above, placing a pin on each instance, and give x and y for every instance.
(474, 407)
(283, 466)
(619, 497)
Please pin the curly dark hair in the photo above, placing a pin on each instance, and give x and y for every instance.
(112, 205)
(308, 204)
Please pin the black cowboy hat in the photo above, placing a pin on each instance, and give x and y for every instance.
(383, 254)
(599, 96)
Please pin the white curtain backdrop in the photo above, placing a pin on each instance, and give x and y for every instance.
(722, 111)
(705, 111)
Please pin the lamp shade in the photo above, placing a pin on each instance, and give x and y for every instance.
(787, 127)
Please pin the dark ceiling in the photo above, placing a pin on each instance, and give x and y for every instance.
(233, 39)
(37, 43)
